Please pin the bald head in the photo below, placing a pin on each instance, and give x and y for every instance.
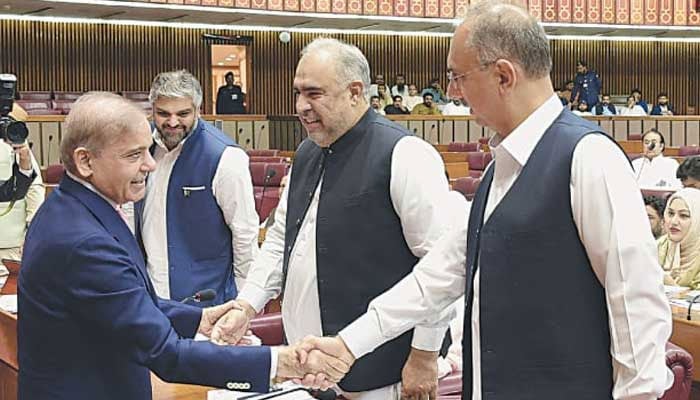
(498, 30)
(95, 121)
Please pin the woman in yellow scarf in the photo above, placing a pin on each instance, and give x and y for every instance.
(679, 248)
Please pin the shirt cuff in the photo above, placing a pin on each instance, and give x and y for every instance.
(273, 363)
(428, 338)
(255, 296)
(363, 335)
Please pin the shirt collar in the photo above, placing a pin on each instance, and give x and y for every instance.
(356, 132)
(522, 141)
(93, 189)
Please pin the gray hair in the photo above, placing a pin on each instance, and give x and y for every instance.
(350, 64)
(95, 121)
(176, 84)
(499, 30)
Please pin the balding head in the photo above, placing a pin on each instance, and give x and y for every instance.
(348, 62)
(498, 30)
(95, 121)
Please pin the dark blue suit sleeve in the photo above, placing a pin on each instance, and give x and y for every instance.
(108, 292)
(656, 110)
(184, 318)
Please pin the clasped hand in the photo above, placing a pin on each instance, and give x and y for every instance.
(313, 362)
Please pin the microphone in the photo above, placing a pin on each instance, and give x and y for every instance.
(690, 306)
(48, 152)
(270, 174)
(202, 295)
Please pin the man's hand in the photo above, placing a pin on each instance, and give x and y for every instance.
(25, 158)
(230, 328)
(319, 371)
(212, 314)
(419, 378)
(332, 346)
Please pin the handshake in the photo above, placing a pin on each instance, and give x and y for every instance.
(313, 362)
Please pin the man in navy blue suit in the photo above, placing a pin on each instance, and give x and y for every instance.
(91, 325)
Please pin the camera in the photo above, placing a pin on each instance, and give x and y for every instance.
(12, 131)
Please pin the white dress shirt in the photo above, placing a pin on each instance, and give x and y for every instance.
(418, 193)
(233, 190)
(636, 110)
(412, 101)
(613, 227)
(657, 173)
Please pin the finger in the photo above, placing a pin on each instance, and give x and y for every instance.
(309, 380)
(433, 394)
(320, 380)
(244, 342)
(302, 355)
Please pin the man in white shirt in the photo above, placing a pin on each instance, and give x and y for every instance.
(400, 88)
(365, 201)
(197, 224)
(564, 295)
(653, 170)
(455, 107)
(413, 97)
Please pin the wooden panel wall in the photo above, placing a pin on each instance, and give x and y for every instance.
(81, 57)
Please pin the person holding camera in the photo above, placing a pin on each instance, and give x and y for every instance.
(22, 190)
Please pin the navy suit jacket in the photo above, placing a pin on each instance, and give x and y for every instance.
(90, 325)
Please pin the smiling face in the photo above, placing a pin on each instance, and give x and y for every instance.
(119, 170)
(174, 118)
(677, 220)
(326, 108)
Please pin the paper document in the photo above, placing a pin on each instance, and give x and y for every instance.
(8, 302)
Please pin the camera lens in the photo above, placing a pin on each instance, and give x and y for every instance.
(17, 132)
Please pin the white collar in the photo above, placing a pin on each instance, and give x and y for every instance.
(522, 140)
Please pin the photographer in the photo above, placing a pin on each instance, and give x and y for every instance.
(21, 188)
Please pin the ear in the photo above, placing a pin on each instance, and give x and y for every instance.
(507, 75)
(356, 88)
(81, 159)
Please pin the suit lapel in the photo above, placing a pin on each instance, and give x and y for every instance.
(111, 221)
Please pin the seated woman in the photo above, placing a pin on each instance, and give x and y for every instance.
(653, 170)
(679, 248)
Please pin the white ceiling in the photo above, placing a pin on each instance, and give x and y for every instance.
(113, 10)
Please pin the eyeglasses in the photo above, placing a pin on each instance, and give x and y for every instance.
(451, 77)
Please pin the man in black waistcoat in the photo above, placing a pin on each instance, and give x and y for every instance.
(365, 201)
(563, 290)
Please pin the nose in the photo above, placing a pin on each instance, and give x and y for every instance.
(173, 121)
(453, 91)
(302, 105)
(149, 164)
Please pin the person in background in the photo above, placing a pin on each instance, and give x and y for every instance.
(16, 216)
(604, 107)
(455, 107)
(662, 106)
(197, 222)
(679, 248)
(375, 103)
(230, 99)
(413, 98)
(436, 90)
(427, 107)
(567, 94)
(586, 85)
(632, 108)
(378, 82)
(384, 95)
(689, 172)
(655, 211)
(637, 94)
(397, 108)
(653, 170)
(400, 88)
(562, 97)
(582, 109)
